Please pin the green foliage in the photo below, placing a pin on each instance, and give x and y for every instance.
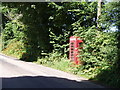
(111, 15)
(32, 30)
(51, 58)
(110, 77)
(13, 30)
(15, 48)
(13, 36)
(70, 13)
(100, 50)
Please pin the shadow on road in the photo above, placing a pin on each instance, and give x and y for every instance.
(44, 82)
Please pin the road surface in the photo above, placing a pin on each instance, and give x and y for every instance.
(19, 74)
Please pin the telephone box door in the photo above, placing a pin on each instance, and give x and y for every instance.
(73, 48)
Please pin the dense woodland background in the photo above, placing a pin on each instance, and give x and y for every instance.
(39, 32)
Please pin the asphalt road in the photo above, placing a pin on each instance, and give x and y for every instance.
(20, 74)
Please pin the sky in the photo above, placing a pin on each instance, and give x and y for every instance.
(107, 0)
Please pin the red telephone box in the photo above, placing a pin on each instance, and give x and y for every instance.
(74, 46)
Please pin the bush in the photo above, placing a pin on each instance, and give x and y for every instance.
(51, 58)
(15, 48)
(99, 50)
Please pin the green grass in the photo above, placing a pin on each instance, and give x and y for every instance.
(63, 65)
(105, 78)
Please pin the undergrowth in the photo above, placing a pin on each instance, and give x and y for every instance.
(14, 48)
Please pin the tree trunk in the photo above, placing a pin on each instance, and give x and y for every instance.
(98, 12)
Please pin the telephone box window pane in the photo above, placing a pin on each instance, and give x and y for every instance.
(80, 44)
(72, 43)
(72, 46)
